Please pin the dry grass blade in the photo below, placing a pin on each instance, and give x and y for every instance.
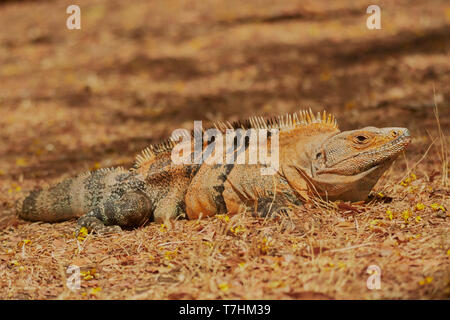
(443, 143)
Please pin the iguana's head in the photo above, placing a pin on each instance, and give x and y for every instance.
(346, 165)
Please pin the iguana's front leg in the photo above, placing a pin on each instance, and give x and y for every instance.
(171, 206)
(132, 209)
(236, 188)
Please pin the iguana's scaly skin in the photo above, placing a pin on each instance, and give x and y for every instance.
(315, 159)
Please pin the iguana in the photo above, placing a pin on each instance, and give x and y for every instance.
(315, 159)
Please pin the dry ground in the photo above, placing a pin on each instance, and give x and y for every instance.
(76, 100)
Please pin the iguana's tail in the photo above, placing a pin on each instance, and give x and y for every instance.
(70, 198)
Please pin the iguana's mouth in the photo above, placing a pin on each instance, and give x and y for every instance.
(366, 160)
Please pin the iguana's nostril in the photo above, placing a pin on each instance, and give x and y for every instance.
(395, 133)
(406, 133)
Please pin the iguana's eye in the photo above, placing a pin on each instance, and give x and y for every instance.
(319, 155)
(361, 138)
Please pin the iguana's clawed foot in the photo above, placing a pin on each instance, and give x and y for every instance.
(99, 229)
(107, 230)
(95, 225)
(270, 207)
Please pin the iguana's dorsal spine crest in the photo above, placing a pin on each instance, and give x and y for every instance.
(101, 170)
(149, 153)
(300, 119)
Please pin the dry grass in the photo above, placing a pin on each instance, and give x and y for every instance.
(311, 253)
(75, 101)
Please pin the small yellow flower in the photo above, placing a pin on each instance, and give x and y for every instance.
(169, 255)
(389, 214)
(21, 162)
(437, 206)
(163, 228)
(223, 217)
(264, 245)
(224, 286)
(237, 230)
(82, 234)
(425, 281)
(375, 223)
(89, 274)
(406, 214)
(418, 219)
(420, 206)
(243, 264)
(15, 263)
(380, 195)
(448, 252)
(406, 182)
(95, 290)
(25, 241)
(208, 244)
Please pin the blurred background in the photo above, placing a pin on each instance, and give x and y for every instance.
(78, 100)
(74, 100)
